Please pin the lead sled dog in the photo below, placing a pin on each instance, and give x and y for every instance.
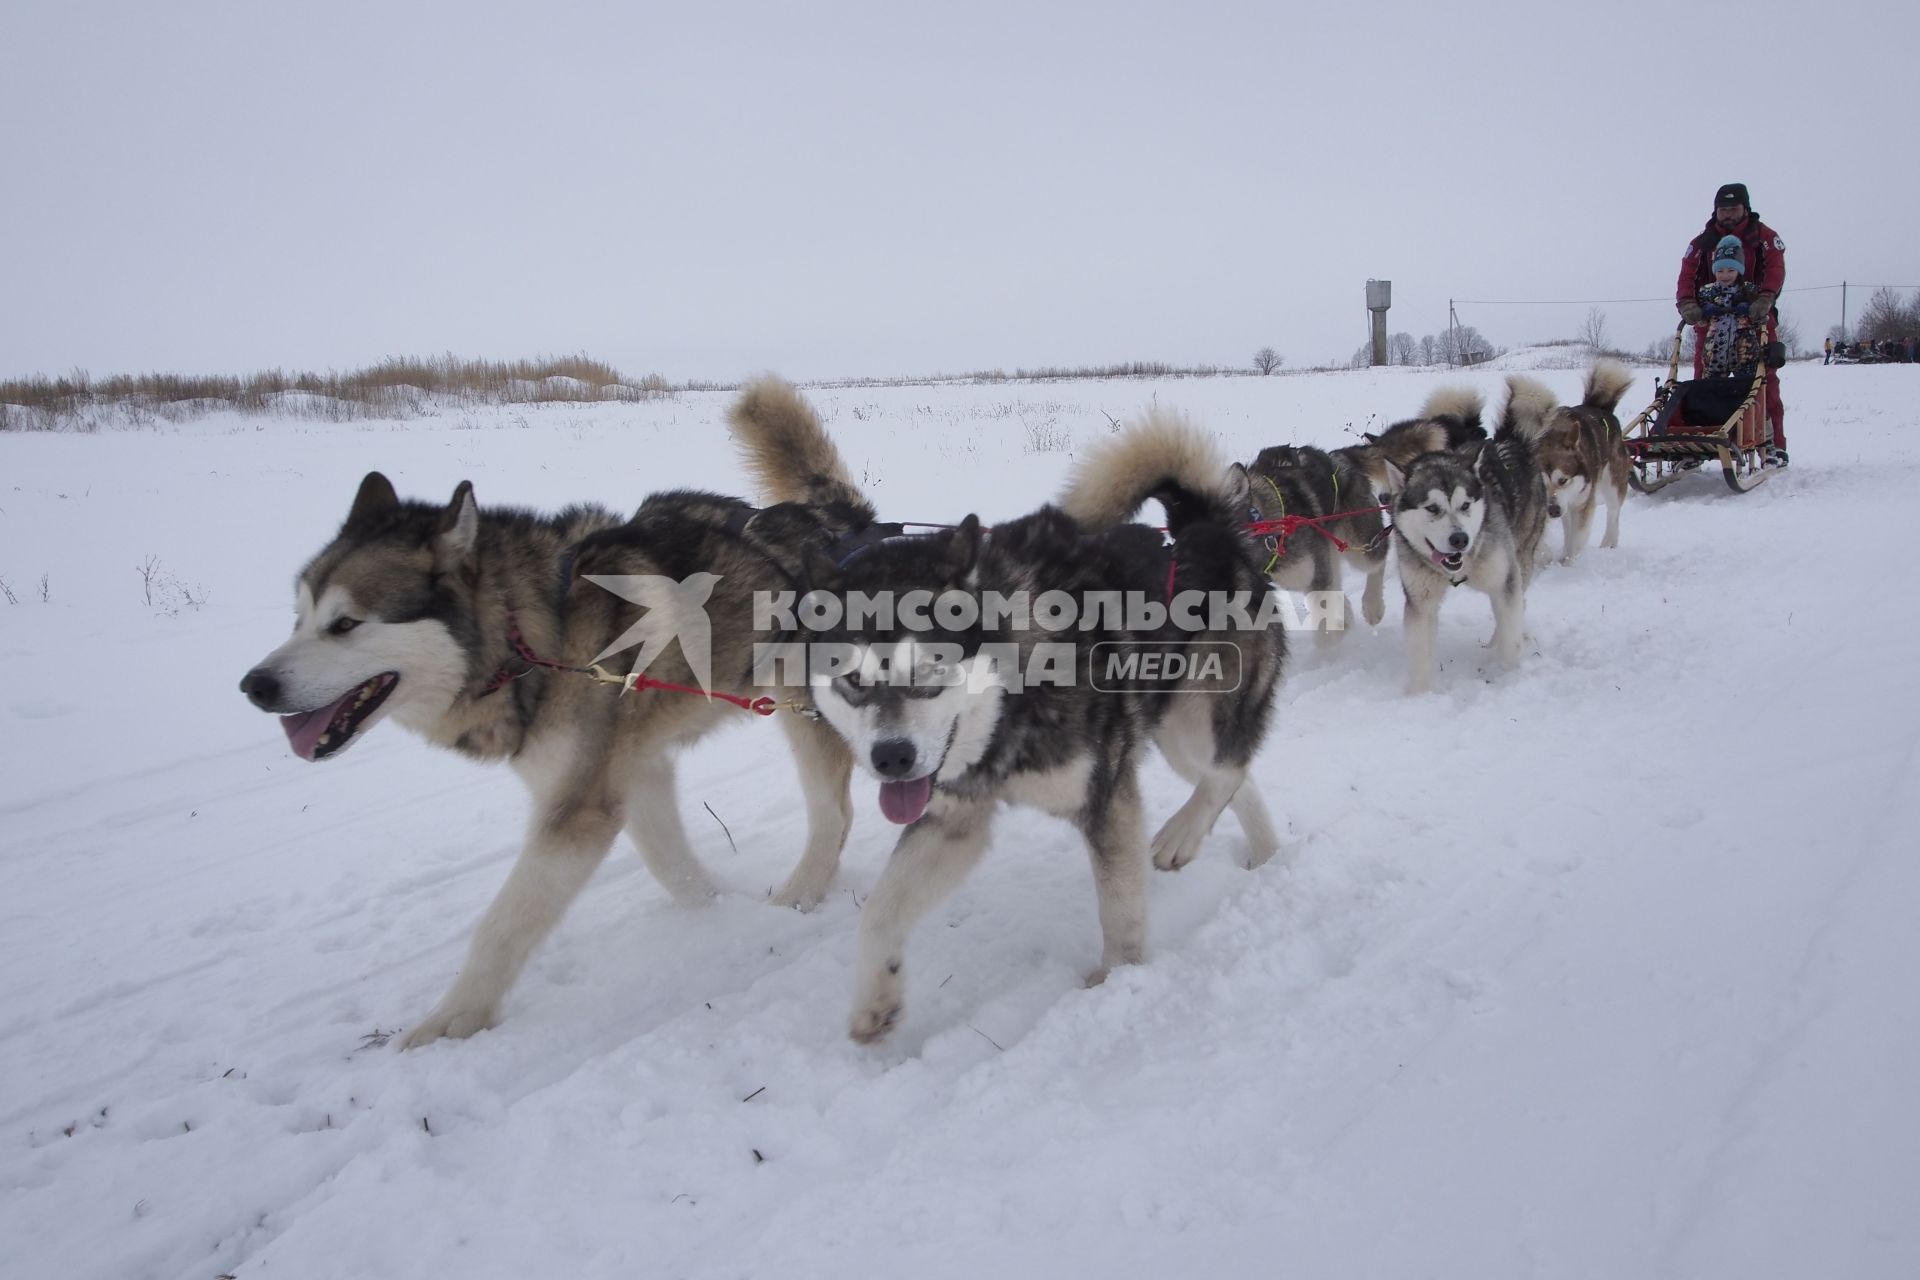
(425, 613)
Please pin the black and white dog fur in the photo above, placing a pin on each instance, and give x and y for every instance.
(949, 739)
(413, 609)
(1472, 515)
(1583, 455)
(1290, 480)
(1449, 419)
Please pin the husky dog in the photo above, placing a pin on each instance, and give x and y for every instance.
(1301, 480)
(1473, 514)
(428, 614)
(1352, 484)
(1583, 456)
(951, 721)
(1303, 560)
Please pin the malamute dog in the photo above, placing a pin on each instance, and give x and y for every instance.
(1302, 480)
(1352, 484)
(949, 733)
(1583, 456)
(1475, 515)
(428, 613)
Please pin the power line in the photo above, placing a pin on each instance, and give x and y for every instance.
(1550, 302)
(1595, 302)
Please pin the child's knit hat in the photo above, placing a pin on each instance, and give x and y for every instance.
(1730, 253)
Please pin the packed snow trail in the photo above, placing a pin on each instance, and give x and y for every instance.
(1601, 968)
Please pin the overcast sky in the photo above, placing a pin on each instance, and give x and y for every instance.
(709, 190)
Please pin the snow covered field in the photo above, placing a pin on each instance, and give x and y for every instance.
(1605, 968)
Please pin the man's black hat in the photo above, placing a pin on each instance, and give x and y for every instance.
(1732, 193)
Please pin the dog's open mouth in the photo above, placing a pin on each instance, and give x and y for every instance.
(904, 802)
(1451, 563)
(324, 731)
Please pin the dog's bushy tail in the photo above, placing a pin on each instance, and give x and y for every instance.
(1607, 381)
(1529, 408)
(788, 452)
(1458, 409)
(1163, 456)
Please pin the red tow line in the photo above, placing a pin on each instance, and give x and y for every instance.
(1285, 526)
(761, 706)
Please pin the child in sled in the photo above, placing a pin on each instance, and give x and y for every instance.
(1732, 340)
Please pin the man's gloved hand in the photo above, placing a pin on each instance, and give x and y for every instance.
(1761, 306)
(1690, 312)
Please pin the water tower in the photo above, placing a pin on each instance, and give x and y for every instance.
(1379, 298)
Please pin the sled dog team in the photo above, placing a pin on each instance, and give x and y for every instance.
(477, 628)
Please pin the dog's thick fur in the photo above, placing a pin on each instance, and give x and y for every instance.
(1473, 514)
(1583, 455)
(959, 738)
(408, 611)
(1302, 480)
(1449, 419)
(1351, 484)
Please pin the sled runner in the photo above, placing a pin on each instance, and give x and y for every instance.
(1691, 423)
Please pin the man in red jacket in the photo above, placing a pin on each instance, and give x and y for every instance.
(1766, 269)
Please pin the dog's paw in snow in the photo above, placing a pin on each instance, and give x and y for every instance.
(801, 892)
(448, 1024)
(872, 1023)
(1179, 841)
(882, 1001)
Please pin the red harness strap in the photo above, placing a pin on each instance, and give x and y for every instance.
(1285, 526)
(763, 706)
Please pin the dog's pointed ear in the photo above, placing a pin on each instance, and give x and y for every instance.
(459, 532)
(963, 549)
(1396, 480)
(1239, 487)
(376, 495)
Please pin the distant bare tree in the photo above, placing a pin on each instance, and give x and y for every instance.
(1594, 331)
(1462, 344)
(1402, 349)
(1266, 360)
(1429, 349)
(1887, 315)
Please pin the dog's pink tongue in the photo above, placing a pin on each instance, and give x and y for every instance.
(904, 802)
(1439, 559)
(304, 730)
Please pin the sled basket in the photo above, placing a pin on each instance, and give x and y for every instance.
(1690, 422)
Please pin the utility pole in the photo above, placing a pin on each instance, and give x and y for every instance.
(1843, 311)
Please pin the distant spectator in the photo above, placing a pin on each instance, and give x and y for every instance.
(1829, 356)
